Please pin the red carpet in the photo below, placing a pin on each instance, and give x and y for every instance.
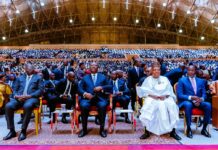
(130, 147)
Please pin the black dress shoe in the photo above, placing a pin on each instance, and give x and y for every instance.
(97, 121)
(82, 133)
(189, 133)
(103, 134)
(175, 136)
(145, 135)
(64, 120)
(127, 121)
(22, 136)
(10, 135)
(205, 133)
(20, 121)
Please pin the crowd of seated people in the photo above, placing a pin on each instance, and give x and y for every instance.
(60, 81)
(109, 53)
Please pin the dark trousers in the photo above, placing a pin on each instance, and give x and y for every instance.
(69, 103)
(14, 105)
(101, 105)
(52, 101)
(123, 100)
(133, 98)
(205, 106)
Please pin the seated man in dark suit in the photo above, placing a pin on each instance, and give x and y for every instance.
(67, 89)
(191, 93)
(51, 94)
(28, 89)
(120, 93)
(93, 88)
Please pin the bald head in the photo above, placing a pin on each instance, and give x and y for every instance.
(71, 76)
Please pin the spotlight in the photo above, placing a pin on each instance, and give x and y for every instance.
(115, 19)
(70, 20)
(202, 38)
(17, 11)
(158, 25)
(136, 21)
(4, 38)
(180, 30)
(93, 18)
(212, 21)
(164, 4)
(26, 31)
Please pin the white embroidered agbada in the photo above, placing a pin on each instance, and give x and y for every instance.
(159, 117)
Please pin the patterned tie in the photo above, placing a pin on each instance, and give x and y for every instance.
(194, 85)
(94, 78)
(115, 90)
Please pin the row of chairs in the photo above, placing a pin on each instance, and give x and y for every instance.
(39, 112)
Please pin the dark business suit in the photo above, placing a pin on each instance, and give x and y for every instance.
(100, 99)
(45, 73)
(61, 87)
(174, 75)
(124, 98)
(35, 88)
(133, 79)
(51, 94)
(68, 69)
(184, 90)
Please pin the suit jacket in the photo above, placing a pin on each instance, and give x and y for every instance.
(61, 86)
(69, 68)
(12, 87)
(51, 88)
(87, 85)
(133, 77)
(45, 73)
(185, 89)
(80, 74)
(35, 87)
(174, 75)
(122, 86)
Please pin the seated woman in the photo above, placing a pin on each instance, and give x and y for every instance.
(5, 90)
(159, 113)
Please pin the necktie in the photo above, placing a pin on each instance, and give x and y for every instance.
(94, 78)
(115, 90)
(52, 83)
(68, 88)
(26, 85)
(194, 85)
(137, 70)
(65, 71)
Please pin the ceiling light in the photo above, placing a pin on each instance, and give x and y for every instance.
(180, 30)
(17, 11)
(188, 12)
(212, 21)
(115, 19)
(202, 38)
(136, 21)
(42, 4)
(93, 18)
(70, 20)
(158, 25)
(3, 38)
(164, 4)
(26, 31)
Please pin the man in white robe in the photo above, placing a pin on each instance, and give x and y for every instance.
(159, 113)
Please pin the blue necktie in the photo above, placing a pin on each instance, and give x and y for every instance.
(115, 90)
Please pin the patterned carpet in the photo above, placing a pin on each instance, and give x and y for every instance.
(63, 136)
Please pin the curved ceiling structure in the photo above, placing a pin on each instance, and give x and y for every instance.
(184, 22)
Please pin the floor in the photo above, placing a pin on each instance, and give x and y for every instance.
(124, 135)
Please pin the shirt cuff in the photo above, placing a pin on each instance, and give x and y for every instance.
(189, 98)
